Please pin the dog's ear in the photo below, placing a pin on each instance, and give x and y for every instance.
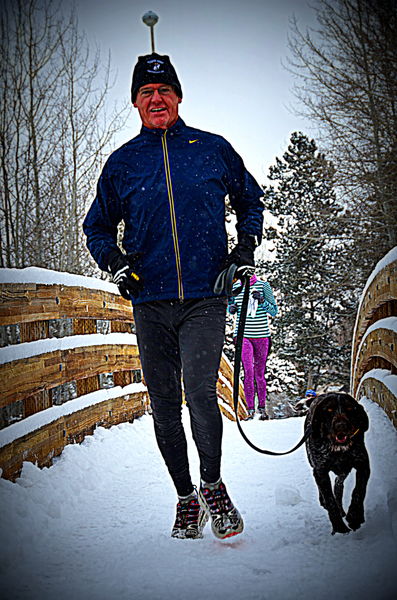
(360, 416)
(316, 412)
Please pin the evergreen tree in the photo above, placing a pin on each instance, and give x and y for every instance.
(309, 272)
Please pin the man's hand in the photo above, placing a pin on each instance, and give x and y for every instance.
(121, 267)
(239, 264)
(242, 255)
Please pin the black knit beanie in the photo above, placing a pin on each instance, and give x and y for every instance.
(154, 68)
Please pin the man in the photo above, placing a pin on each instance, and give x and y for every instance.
(168, 185)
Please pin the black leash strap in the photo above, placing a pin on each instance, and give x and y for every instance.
(225, 281)
(236, 377)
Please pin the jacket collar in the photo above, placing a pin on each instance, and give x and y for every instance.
(176, 128)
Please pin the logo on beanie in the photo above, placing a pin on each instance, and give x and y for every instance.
(155, 66)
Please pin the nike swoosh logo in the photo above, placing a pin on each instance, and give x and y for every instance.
(192, 141)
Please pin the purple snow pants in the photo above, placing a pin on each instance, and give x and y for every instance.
(253, 356)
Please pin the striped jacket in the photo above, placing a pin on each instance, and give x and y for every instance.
(169, 188)
(256, 325)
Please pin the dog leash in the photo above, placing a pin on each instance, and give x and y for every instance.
(236, 375)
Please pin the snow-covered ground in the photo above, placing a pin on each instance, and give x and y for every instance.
(96, 525)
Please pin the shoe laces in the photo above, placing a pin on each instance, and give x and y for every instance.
(181, 515)
(192, 512)
(218, 499)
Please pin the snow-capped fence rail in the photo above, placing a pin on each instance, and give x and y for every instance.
(374, 351)
(69, 362)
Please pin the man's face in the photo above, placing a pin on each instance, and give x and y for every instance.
(157, 104)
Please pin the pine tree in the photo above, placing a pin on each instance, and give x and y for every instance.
(309, 272)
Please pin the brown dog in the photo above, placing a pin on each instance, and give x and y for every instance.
(336, 444)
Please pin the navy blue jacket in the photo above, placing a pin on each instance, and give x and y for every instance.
(169, 187)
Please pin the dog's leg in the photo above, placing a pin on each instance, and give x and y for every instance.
(325, 488)
(338, 492)
(355, 514)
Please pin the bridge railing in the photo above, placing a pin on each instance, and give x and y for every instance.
(374, 350)
(69, 362)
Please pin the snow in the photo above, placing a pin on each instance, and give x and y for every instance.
(390, 257)
(96, 525)
(387, 323)
(29, 349)
(383, 375)
(48, 277)
(44, 417)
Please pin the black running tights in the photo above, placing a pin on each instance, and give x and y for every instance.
(187, 338)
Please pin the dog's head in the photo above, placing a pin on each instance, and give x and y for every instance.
(338, 418)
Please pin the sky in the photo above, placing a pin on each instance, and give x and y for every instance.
(229, 57)
(96, 525)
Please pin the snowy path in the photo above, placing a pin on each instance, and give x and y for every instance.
(96, 525)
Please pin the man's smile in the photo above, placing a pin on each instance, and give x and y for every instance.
(158, 105)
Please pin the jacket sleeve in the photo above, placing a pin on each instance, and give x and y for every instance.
(269, 303)
(245, 195)
(102, 219)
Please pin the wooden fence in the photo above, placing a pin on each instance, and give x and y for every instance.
(374, 355)
(68, 364)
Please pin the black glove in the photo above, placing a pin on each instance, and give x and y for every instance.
(242, 254)
(257, 296)
(238, 264)
(233, 308)
(121, 267)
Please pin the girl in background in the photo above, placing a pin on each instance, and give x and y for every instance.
(256, 341)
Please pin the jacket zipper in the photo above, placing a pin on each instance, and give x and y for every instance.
(172, 215)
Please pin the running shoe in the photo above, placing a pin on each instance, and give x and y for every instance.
(190, 518)
(226, 520)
